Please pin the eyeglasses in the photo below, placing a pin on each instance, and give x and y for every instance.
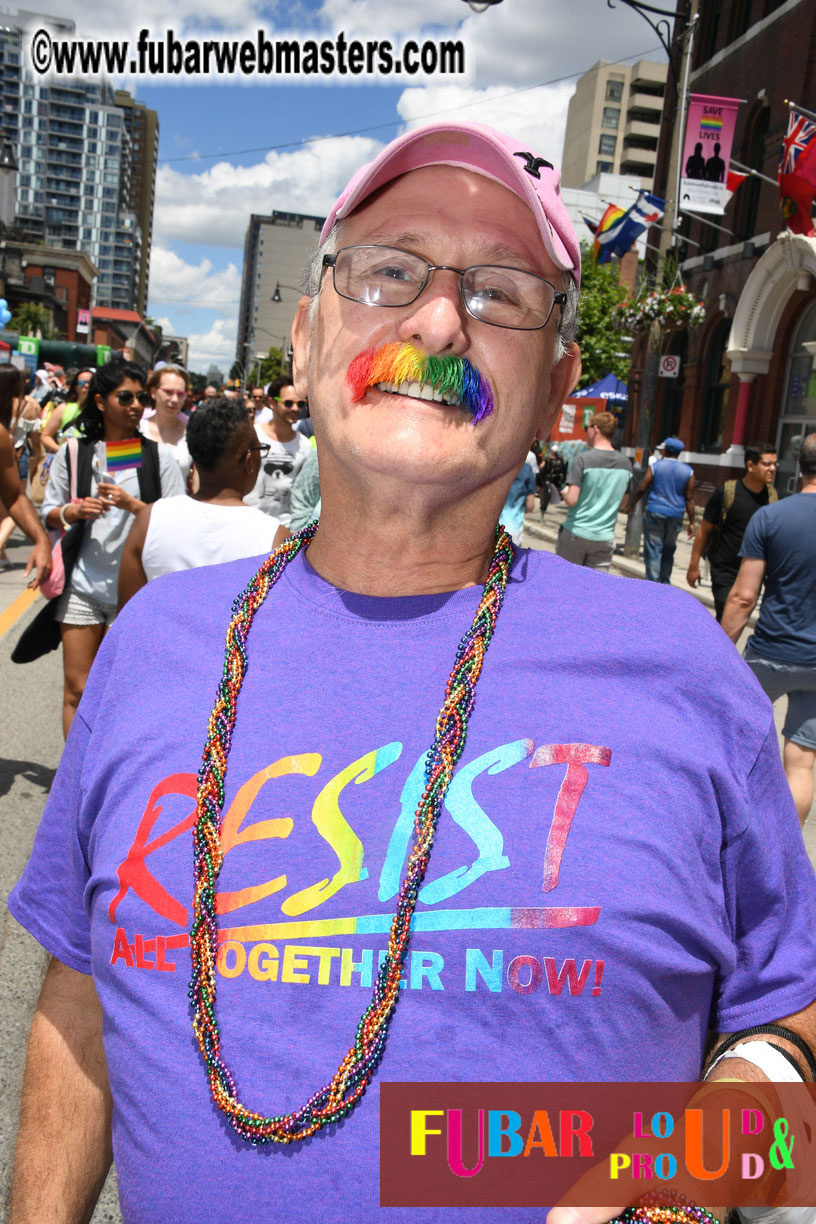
(126, 398)
(387, 276)
(258, 395)
(263, 449)
(291, 403)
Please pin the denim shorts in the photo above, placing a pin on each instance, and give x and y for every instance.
(799, 684)
(78, 609)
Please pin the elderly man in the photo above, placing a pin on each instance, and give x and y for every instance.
(566, 815)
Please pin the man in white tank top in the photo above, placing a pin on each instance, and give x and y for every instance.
(213, 525)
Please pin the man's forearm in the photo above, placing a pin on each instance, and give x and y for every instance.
(63, 1145)
(736, 614)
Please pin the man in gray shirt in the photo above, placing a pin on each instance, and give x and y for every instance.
(597, 481)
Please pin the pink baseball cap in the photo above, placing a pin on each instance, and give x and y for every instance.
(472, 146)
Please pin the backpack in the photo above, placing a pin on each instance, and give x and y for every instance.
(729, 493)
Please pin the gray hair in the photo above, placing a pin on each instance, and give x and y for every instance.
(565, 327)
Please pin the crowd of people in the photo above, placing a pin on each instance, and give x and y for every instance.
(601, 784)
(206, 482)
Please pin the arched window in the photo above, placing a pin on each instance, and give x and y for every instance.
(715, 388)
(752, 155)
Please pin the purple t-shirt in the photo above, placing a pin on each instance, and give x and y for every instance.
(618, 865)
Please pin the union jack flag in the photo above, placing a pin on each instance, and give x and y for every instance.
(800, 133)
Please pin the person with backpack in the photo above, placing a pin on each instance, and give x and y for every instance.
(728, 512)
(88, 490)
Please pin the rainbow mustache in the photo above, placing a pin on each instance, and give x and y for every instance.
(453, 380)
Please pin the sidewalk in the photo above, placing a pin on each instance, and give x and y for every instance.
(542, 533)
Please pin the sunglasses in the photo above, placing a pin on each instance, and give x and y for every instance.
(84, 382)
(292, 403)
(126, 398)
(263, 449)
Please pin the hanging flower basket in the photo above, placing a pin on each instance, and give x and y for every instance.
(671, 308)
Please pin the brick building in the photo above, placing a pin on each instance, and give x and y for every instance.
(747, 371)
(60, 280)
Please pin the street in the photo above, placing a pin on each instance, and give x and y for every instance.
(31, 746)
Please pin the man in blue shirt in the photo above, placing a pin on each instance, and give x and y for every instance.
(780, 546)
(670, 486)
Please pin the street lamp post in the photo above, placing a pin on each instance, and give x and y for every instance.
(276, 296)
(648, 395)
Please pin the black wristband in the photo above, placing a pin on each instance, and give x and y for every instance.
(775, 1030)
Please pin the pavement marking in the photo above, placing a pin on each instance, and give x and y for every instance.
(16, 609)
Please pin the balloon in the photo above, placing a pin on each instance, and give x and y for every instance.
(5, 313)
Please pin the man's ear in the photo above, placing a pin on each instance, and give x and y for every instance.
(301, 344)
(564, 377)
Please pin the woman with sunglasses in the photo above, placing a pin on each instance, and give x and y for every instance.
(105, 504)
(60, 420)
(288, 451)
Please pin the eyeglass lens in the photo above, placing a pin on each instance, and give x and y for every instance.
(126, 398)
(387, 276)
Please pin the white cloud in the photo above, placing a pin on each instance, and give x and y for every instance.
(174, 280)
(389, 17)
(537, 116)
(214, 347)
(214, 206)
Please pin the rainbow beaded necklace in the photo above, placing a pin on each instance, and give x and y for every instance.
(337, 1098)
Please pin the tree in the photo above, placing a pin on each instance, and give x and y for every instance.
(32, 319)
(272, 366)
(601, 343)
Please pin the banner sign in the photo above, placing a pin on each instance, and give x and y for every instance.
(29, 345)
(83, 323)
(706, 153)
(102, 354)
(567, 421)
(508, 1145)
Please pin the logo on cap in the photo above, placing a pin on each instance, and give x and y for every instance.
(534, 164)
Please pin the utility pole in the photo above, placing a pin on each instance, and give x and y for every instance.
(669, 225)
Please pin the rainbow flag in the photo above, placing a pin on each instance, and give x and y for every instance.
(711, 123)
(121, 455)
(610, 218)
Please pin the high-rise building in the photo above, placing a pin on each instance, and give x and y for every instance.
(613, 122)
(277, 249)
(86, 167)
(142, 126)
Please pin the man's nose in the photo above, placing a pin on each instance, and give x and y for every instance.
(437, 321)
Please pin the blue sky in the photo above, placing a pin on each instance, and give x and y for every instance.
(521, 57)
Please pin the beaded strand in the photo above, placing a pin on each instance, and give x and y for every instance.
(665, 1207)
(333, 1101)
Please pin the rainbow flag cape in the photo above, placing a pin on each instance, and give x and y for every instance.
(121, 455)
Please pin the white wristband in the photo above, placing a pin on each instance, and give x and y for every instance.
(62, 517)
(767, 1057)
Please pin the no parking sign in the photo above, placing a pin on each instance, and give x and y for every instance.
(669, 366)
